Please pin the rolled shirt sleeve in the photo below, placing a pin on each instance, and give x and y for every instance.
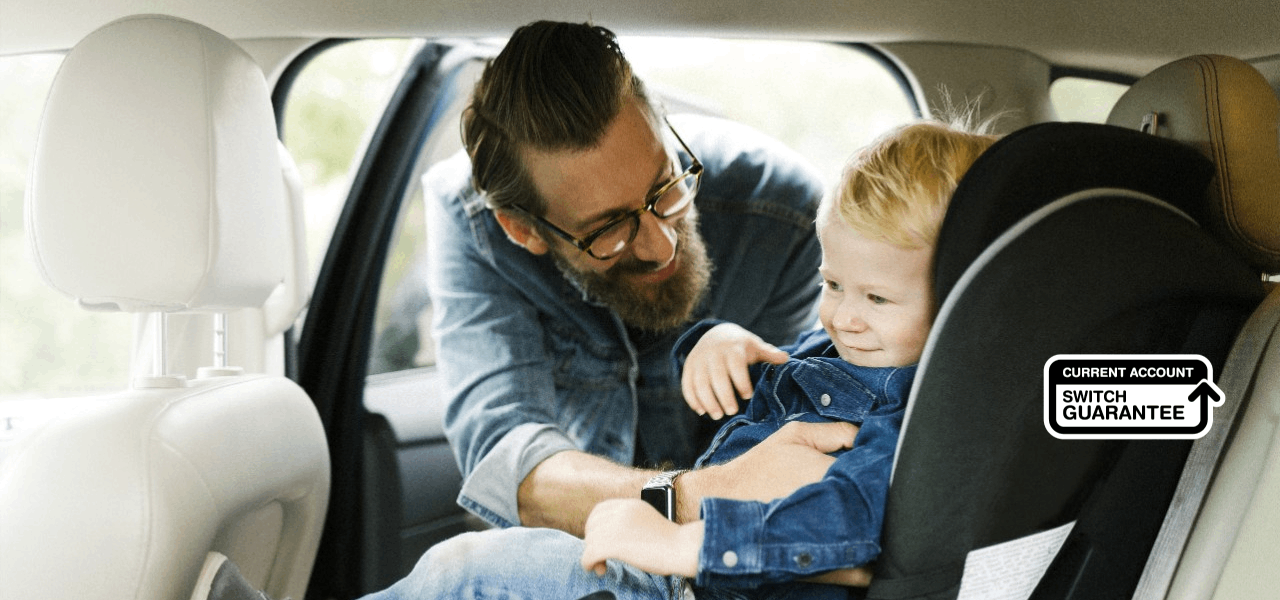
(488, 493)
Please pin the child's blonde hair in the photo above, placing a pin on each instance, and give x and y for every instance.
(897, 188)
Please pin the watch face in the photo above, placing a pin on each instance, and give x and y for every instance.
(661, 498)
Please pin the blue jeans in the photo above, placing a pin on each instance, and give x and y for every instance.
(521, 563)
(524, 563)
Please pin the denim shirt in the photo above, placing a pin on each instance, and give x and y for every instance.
(832, 524)
(531, 367)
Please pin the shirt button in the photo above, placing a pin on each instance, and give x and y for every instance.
(825, 400)
(730, 559)
(804, 560)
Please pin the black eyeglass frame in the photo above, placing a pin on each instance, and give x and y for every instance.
(584, 244)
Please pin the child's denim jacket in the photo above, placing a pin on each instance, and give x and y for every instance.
(832, 524)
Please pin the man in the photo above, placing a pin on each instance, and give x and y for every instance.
(570, 247)
(577, 239)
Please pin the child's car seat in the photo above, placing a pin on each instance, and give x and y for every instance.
(1062, 239)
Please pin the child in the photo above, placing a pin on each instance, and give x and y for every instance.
(877, 233)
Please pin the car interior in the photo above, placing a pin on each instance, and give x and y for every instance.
(281, 404)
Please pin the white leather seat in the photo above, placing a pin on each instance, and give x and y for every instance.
(157, 188)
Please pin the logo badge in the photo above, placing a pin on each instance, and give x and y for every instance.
(1129, 396)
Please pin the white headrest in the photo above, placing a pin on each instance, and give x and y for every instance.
(156, 179)
(288, 300)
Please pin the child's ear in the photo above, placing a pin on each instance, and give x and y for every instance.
(520, 231)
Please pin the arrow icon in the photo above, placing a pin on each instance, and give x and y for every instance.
(1207, 390)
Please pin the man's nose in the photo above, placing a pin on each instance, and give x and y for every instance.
(656, 239)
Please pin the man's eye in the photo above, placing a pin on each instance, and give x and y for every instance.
(877, 299)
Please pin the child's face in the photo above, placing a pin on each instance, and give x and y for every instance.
(876, 300)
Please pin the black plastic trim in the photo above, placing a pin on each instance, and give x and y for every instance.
(894, 69)
(1057, 72)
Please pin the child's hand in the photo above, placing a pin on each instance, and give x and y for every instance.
(632, 531)
(715, 372)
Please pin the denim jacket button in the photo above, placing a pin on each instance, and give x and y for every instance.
(826, 401)
(804, 560)
(730, 559)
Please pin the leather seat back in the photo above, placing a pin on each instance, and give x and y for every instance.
(157, 187)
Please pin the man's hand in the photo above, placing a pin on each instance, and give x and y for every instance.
(794, 456)
(715, 373)
(632, 531)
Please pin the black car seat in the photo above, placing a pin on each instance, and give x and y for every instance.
(1063, 238)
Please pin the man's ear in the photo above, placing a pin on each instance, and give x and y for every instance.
(520, 231)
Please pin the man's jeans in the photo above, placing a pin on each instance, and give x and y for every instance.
(524, 563)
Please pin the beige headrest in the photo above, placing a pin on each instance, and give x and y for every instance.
(1225, 109)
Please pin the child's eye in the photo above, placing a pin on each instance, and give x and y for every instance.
(877, 299)
(831, 285)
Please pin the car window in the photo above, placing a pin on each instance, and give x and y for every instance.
(1083, 99)
(49, 346)
(334, 103)
(823, 100)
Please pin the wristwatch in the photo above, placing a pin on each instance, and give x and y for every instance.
(660, 492)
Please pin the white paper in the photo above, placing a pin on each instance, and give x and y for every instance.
(1011, 570)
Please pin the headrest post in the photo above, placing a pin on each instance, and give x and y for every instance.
(220, 340)
(159, 378)
(1150, 123)
(219, 368)
(159, 326)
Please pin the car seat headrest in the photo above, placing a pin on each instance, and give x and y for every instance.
(1036, 165)
(287, 301)
(156, 179)
(1224, 108)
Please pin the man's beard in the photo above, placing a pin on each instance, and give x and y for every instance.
(652, 307)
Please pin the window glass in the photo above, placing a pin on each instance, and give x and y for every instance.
(823, 100)
(334, 104)
(49, 346)
(1084, 100)
(402, 322)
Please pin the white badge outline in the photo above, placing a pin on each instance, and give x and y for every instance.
(1130, 435)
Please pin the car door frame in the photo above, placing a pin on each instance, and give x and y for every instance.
(332, 349)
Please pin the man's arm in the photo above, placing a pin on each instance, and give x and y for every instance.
(563, 489)
(631, 530)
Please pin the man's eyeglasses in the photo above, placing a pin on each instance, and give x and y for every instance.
(670, 200)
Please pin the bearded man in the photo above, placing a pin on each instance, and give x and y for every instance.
(571, 245)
